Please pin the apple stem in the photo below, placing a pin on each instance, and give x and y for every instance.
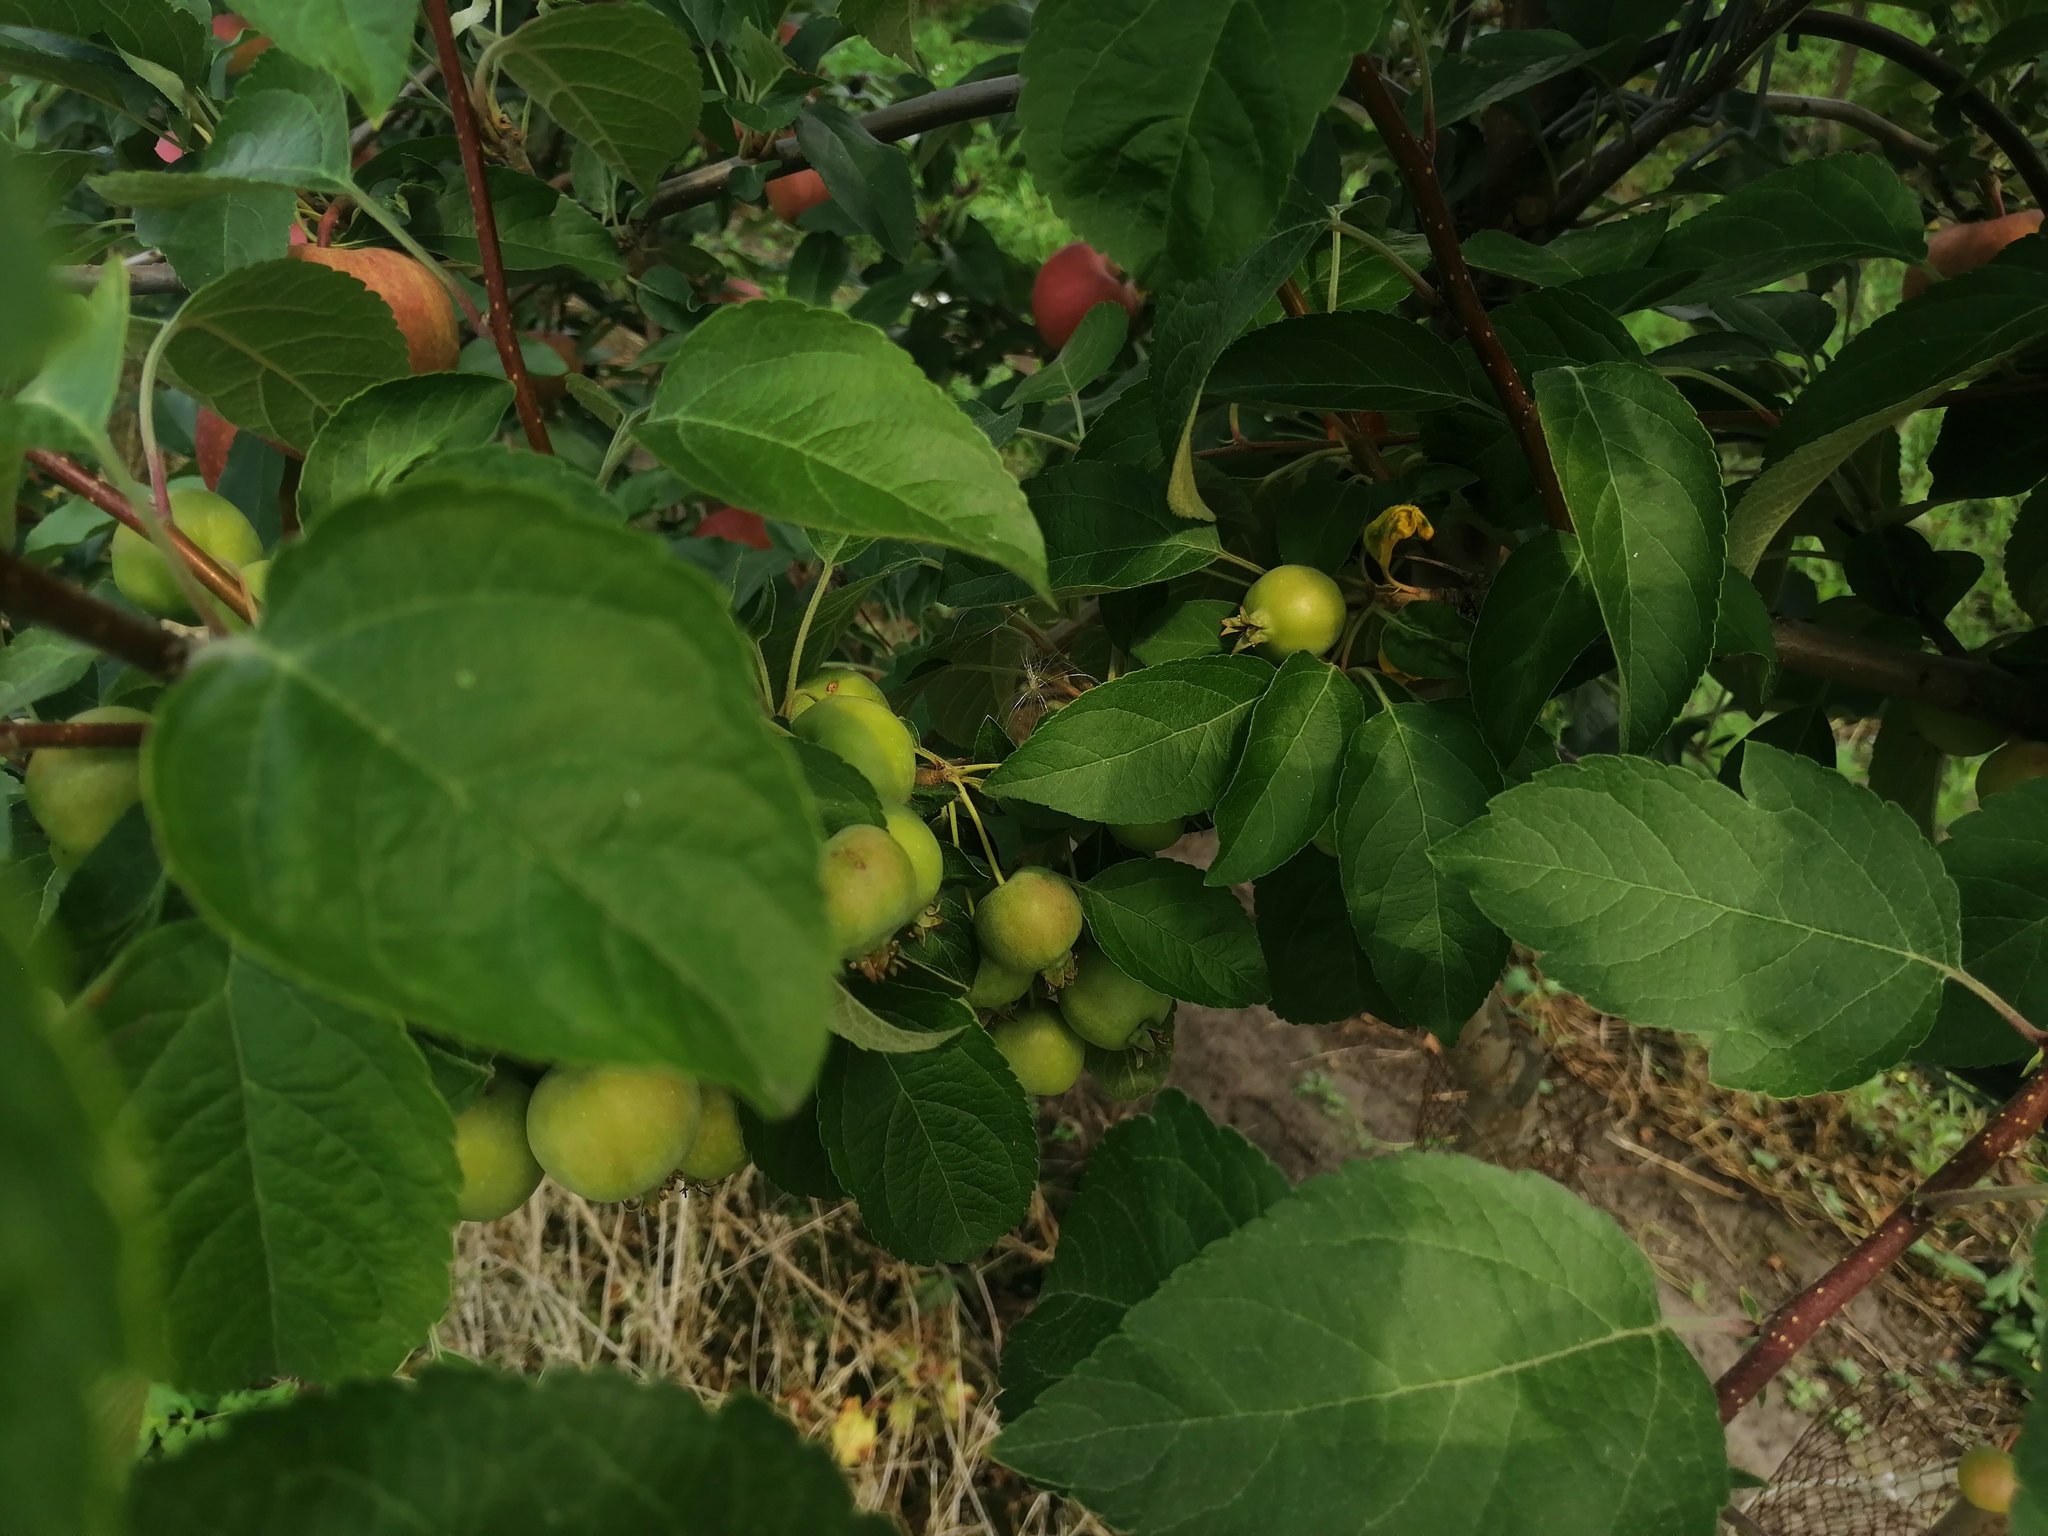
(473, 172)
(18, 736)
(803, 635)
(157, 522)
(29, 592)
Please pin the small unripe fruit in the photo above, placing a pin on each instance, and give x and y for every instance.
(922, 846)
(1029, 921)
(1148, 836)
(609, 1133)
(1957, 735)
(794, 195)
(1292, 608)
(1106, 1007)
(868, 736)
(76, 794)
(870, 889)
(2012, 764)
(996, 987)
(836, 683)
(414, 295)
(499, 1171)
(212, 522)
(1986, 1479)
(1074, 279)
(1045, 1054)
(1963, 247)
(719, 1150)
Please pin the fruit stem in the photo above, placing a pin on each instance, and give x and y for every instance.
(1998, 1005)
(803, 634)
(987, 847)
(1421, 284)
(493, 259)
(156, 519)
(1252, 566)
(1047, 437)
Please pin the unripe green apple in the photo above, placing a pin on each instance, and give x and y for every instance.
(1957, 735)
(76, 794)
(1147, 836)
(1986, 1479)
(609, 1133)
(836, 683)
(2012, 764)
(870, 889)
(498, 1167)
(1029, 921)
(719, 1150)
(1106, 1007)
(868, 736)
(1132, 1073)
(996, 987)
(1293, 608)
(919, 842)
(212, 522)
(1041, 1050)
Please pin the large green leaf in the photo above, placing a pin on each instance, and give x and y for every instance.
(38, 663)
(206, 239)
(1556, 328)
(35, 320)
(1643, 480)
(365, 44)
(376, 437)
(300, 1157)
(810, 416)
(895, 1017)
(1353, 360)
(1318, 972)
(939, 1147)
(1803, 931)
(1165, 130)
(1159, 1189)
(115, 893)
(158, 32)
(1107, 529)
(870, 181)
(471, 1452)
(1840, 208)
(1285, 785)
(514, 784)
(1576, 253)
(278, 346)
(1496, 66)
(1412, 1343)
(67, 403)
(1085, 358)
(1900, 362)
(1155, 743)
(61, 1311)
(287, 124)
(1998, 858)
(539, 227)
(623, 79)
(1158, 921)
(1540, 614)
(1414, 775)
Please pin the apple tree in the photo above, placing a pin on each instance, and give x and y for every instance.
(573, 612)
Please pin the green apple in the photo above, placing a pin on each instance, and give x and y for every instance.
(1028, 921)
(1105, 1007)
(870, 889)
(868, 736)
(918, 841)
(1046, 1056)
(609, 1133)
(212, 522)
(839, 683)
(719, 1150)
(498, 1167)
(1986, 1479)
(1292, 608)
(1957, 735)
(1148, 836)
(2012, 764)
(1132, 1073)
(76, 794)
(996, 987)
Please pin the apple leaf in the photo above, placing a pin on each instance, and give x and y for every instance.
(1158, 921)
(571, 834)
(158, 32)
(869, 180)
(67, 403)
(1285, 784)
(35, 318)
(303, 1163)
(1352, 360)
(365, 44)
(376, 437)
(287, 124)
(810, 416)
(1998, 858)
(206, 239)
(1539, 616)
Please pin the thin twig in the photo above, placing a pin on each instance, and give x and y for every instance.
(1993, 1195)
(1960, 685)
(492, 258)
(1419, 173)
(1862, 119)
(35, 735)
(29, 592)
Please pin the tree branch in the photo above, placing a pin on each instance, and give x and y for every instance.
(493, 259)
(1419, 173)
(17, 736)
(1799, 1319)
(143, 277)
(1862, 119)
(935, 109)
(1962, 686)
(214, 576)
(29, 592)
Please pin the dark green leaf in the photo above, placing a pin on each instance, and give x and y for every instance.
(390, 428)
(106, 86)
(1159, 923)
(538, 228)
(40, 662)
(1539, 616)
(1159, 1189)
(1285, 784)
(790, 1152)
(895, 1017)
(1426, 640)
(1353, 360)
(1319, 974)
(1084, 359)
(1183, 631)
(1998, 858)
(1803, 931)
(115, 893)
(841, 792)
(939, 1147)
(1560, 329)
(205, 240)
(570, 835)
(287, 125)
(1496, 66)
(490, 467)
(1906, 769)
(1597, 23)
(869, 180)
(156, 31)
(460, 1072)
(1989, 448)
(1643, 481)
(66, 405)
(365, 44)
(1156, 743)
(1387, 1350)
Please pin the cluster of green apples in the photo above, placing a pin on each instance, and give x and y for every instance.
(605, 1133)
(2012, 759)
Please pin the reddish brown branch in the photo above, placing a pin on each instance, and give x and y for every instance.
(493, 259)
(1960, 685)
(80, 481)
(32, 736)
(1419, 173)
(1805, 1314)
(29, 592)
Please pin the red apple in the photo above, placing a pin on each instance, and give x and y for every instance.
(790, 196)
(415, 296)
(737, 290)
(1074, 279)
(212, 439)
(227, 27)
(168, 152)
(1962, 247)
(737, 526)
(548, 391)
